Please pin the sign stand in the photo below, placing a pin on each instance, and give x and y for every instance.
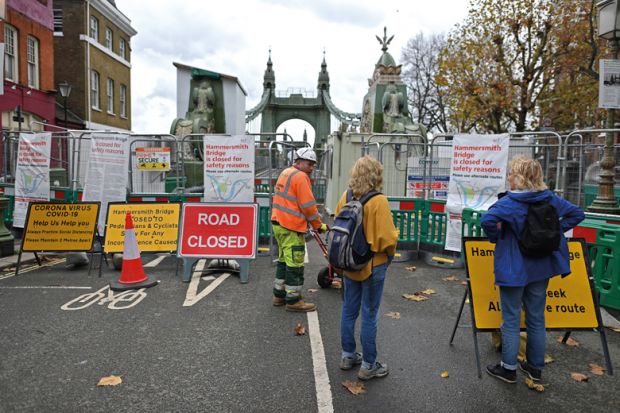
(580, 247)
(190, 262)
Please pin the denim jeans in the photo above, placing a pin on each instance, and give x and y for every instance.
(533, 296)
(366, 294)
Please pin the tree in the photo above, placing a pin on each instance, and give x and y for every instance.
(420, 59)
(512, 60)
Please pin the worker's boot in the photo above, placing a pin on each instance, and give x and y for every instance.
(301, 307)
(278, 301)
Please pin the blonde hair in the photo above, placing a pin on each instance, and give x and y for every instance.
(366, 175)
(527, 173)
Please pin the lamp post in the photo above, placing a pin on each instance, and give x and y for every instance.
(608, 29)
(65, 91)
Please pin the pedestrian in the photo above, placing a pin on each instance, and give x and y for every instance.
(363, 288)
(294, 207)
(523, 279)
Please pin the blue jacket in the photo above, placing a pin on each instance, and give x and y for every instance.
(506, 218)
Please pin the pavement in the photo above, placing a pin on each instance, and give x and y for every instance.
(11, 260)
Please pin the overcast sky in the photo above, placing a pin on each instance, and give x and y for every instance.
(234, 37)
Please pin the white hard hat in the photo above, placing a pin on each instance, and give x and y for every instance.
(305, 153)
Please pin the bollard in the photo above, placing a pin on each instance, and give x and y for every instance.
(7, 241)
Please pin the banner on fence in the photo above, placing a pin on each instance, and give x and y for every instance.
(108, 172)
(153, 159)
(60, 226)
(437, 182)
(156, 226)
(32, 173)
(228, 168)
(477, 175)
(569, 300)
(218, 230)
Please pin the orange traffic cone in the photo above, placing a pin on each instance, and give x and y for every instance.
(132, 275)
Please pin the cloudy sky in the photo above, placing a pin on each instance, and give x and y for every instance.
(234, 37)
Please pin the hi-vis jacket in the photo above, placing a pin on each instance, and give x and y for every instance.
(293, 202)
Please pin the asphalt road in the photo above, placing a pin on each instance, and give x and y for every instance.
(231, 351)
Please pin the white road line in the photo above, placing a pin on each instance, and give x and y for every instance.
(155, 262)
(321, 378)
(192, 296)
(61, 287)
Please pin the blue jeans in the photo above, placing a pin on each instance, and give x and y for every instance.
(366, 294)
(533, 296)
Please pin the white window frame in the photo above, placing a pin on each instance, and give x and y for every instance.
(32, 60)
(110, 95)
(94, 28)
(109, 38)
(11, 50)
(94, 89)
(122, 46)
(123, 100)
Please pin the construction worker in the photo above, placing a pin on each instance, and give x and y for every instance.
(293, 208)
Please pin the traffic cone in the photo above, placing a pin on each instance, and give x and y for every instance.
(132, 275)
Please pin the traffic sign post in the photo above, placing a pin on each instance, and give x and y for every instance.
(223, 231)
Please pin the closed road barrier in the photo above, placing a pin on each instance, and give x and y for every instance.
(55, 226)
(218, 230)
(156, 226)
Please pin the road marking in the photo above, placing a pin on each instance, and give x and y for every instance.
(62, 287)
(33, 267)
(321, 378)
(192, 296)
(156, 261)
(121, 301)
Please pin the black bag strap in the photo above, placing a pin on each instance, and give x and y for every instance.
(365, 198)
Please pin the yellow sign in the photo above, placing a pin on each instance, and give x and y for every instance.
(153, 159)
(156, 226)
(53, 226)
(569, 299)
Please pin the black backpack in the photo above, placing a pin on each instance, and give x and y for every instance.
(347, 245)
(541, 234)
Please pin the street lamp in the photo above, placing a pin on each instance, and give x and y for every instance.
(608, 29)
(65, 91)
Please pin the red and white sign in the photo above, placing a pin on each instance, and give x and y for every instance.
(218, 230)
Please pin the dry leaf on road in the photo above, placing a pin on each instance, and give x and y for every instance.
(312, 290)
(596, 369)
(393, 314)
(571, 342)
(412, 268)
(428, 291)
(548, 359)
(415, 297)
(533, 385)
(300, 330)
(110, 381)
(451, 278)
(464, 283)
(444, 374)
(579, 377)
(354, 387)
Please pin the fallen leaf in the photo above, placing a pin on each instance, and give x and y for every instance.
(300, 330)
(451, 278)
(596, 369)
(312, 290)
(415, 297)
(354, 387)
(444, 374)
(464, 283)
(533, 385)
(548, 359)
(394, 314)
(579, 377)
(412, 268)
(428, 291)
(110, 381)
(571, 342)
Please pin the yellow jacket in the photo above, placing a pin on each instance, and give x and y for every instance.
(294, 205)
(381, 234)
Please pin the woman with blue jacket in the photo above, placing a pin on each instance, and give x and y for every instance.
(524, 279)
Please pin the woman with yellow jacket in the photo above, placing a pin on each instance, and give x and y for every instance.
(363, 288)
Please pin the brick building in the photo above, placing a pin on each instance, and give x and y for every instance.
(93, 54)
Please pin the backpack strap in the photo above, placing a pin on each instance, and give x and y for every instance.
(366, 197)
(349, 195)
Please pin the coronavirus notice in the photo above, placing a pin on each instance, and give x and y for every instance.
(218, 230)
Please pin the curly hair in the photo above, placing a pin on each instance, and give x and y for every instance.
(366, 175)
(526, 173)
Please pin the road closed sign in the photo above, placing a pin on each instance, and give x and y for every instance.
(218, 230)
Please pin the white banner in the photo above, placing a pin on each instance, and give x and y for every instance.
(477, 175)
(32, 173)
(228, 168)
(609, 84)
(107, 172)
